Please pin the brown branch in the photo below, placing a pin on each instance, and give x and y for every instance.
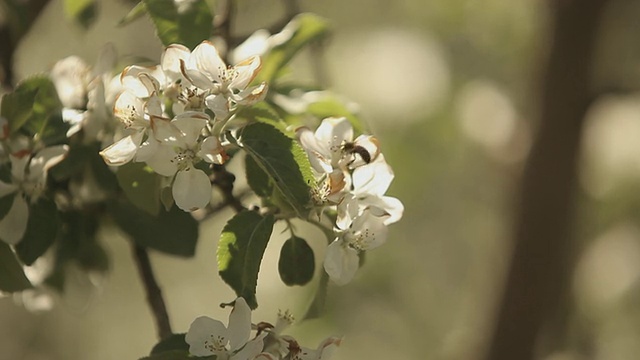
(154, 294)
(224, 180)
(540, 267)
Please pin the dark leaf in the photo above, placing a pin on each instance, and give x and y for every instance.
(297, 263)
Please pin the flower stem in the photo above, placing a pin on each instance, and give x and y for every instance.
(154, 295)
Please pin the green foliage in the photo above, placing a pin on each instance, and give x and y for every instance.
(174, 342)
(189, 27)
(12, 277)
(258, 180)
(308, 28)
(175, 355)
(240, 250)
(264, 113)
(174, 232)
(84, 12)
(42, 229)
(296, 263)
(33, 108)
(141, 185)
(283, 160)
(134, 14)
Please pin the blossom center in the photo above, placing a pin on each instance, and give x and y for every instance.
(215, 344)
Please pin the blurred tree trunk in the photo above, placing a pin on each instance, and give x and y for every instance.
(541, 264)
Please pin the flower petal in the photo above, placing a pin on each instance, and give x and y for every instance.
(373, 178)
(240, 325)
(219, 105)
(170, 61)
(333, 133)
(191, 189)
(247, 71)
(159, 156)
(14, 223)
(206, 59)
(122, 151)
(190, 124)
(341, 262)
(212, 151)
(201, 332)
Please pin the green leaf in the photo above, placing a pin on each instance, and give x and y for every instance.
(189, 27)
(82, 11)
(172, 343)
(263, 112)
(35, 108)
(307, 28)
(258, 180)
(12, 277)
(134, 14)
(141, 185)
(42, 229)
(316, 309)
(297, 263)
(240, 250)
(283, 160)
(176, 355)
(174, 232)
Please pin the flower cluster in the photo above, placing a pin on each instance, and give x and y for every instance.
(353, 177)
(173, 114)
(207, 336)
(25, 182)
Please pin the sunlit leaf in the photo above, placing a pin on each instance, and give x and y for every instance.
(189, 26)
(240, 250)
(84, 12)
(283, 160)
(306, 29)
(34, 108)
(134, 14)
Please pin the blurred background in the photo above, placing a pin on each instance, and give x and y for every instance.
(446, 85)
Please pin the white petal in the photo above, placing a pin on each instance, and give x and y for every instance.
(256, 44)
(19, 165)
(251, 95)
(159, 156)
(367, 231)
(122, 151)
(341, 262)
(239, 324)
(14, 224)
(389, 207)
(219, 105)
(191, 189)
(129, 109)
(334, 132)
(45, 159)
(212, 151)
(70, 76)
(164, 130)
(153, 106)
(202, 330)
(251, 350)
(247, 71)
(190, 124)
(170, 61)
(141, 81)
(205, 58)
(373, 178)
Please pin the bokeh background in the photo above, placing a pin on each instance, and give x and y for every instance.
(446, 85)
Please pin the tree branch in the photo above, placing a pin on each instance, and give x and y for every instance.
(154, 295)
(224, 180)
(540, 267)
